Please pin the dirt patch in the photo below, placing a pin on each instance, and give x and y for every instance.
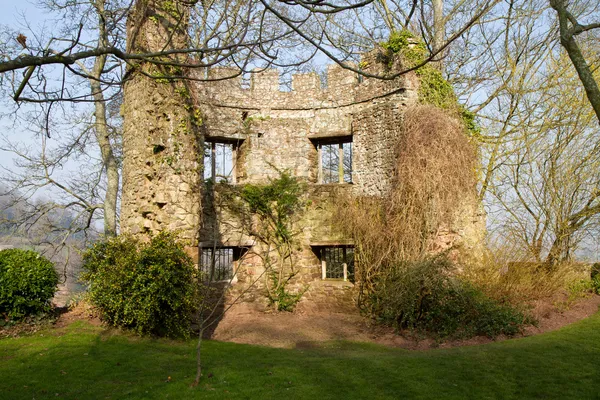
(25, 328)
(82, 311)
(242, 324)
(59, 317)
(549, 318)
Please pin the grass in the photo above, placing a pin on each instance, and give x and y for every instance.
(87, 362)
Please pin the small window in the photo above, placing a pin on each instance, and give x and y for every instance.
(219, 162)
(219, 264)
(335, 161)
(337, 262)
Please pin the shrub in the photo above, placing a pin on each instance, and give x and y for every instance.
(426, 296)
(27, 283)
(520, 282)
(595, 271)
(149, 288)
(595, 275)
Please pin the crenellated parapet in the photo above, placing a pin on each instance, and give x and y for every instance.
(343, 87)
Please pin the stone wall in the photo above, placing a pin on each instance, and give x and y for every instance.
(162, 142)
(278, 129)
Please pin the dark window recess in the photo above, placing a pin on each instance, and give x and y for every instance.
(335, 258)
(219, 264)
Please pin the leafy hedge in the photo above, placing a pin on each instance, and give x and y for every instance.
(426, 296)
(27, 283)
(149, 288)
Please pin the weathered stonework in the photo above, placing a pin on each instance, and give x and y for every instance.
(273, 131)
(162, 142)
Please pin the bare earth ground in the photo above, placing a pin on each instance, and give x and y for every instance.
(241, 324)
(81, 312)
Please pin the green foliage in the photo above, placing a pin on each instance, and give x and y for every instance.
(149, 288)
(170, 8)
(400, 42)
(280, 297)
(425, 296)
(580, 288)
(576, 290)
(596, 285)
(434, 89)
(595, 270)
(595, 276)
(183, 92)
(470, 121)
(27, 283)
(276, 206)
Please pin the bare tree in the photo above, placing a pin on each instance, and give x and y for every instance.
(570, 28)
(548, 184)
(92, 135)
(247, 34)
(512, 73)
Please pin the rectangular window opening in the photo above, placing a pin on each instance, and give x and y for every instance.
(335, 161)
(337, 262)
(220, 162)
(220, 264)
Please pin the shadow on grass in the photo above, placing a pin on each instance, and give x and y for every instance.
(91, 363)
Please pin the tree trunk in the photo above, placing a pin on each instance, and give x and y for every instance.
(567, 40)
(108, 160)
(102, 132)
(439, 31)
(199, 351)
(557, 252)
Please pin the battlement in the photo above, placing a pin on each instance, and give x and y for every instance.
(226, 86)
(268, 80)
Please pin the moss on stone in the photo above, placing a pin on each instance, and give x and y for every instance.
(434, 89)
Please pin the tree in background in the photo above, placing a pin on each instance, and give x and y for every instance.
(570, 27)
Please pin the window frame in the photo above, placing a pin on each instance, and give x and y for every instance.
(340, 141)
(348, 265)
(237, 254)
(235, 145)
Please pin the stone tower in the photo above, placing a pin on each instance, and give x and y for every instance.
(162, 142)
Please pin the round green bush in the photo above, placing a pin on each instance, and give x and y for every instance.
(148, 287)
(27, 283)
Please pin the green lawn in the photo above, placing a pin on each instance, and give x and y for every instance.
(86, 362)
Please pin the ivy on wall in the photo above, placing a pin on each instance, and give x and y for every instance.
(434, 89)
(270, 212)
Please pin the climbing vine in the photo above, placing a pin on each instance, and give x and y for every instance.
(270, 212)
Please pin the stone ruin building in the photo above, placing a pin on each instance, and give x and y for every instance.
(340, 139)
